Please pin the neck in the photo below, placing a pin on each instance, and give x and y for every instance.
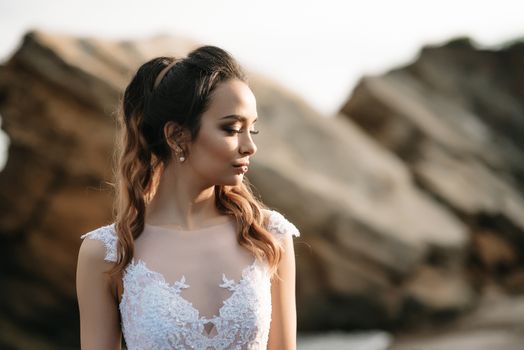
(181, 199)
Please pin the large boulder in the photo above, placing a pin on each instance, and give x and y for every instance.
(371, 239)
(455, 116)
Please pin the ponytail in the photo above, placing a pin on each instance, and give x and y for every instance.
(135, 162)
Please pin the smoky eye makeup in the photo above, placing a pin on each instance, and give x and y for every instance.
(231, 130)
(234, 127)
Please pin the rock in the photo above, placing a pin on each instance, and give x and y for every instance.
(366, 227)
(495, 253)
(495, 324)
(439, 292)
(514, 282)
(455, 117)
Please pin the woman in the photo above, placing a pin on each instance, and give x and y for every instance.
(193, 260)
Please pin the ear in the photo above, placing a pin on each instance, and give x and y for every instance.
(174, 134)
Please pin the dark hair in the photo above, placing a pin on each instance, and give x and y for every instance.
(142, 151)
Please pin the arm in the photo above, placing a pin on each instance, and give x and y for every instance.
(283, 330)
(99, 314)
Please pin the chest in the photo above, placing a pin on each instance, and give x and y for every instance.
(156, 311)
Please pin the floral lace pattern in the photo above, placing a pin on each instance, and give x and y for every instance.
(107, 235)
(155, 316)
(280, 226)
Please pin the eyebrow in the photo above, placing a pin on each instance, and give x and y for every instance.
(237, 117)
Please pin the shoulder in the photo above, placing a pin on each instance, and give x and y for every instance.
(101, 241)
(279, 225)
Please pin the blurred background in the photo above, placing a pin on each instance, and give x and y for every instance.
(391, 134)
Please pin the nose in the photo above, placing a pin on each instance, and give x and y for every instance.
(247, 145)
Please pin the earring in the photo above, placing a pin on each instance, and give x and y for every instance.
(178, 151)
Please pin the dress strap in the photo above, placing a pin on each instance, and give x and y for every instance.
(107, 235)
(280, 226)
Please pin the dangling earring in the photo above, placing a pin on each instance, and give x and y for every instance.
(181, 158)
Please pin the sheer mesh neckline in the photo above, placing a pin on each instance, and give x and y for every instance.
(201, 229)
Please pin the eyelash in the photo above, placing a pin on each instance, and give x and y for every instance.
(231, 131)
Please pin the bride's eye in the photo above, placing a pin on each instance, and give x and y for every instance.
(231, 131)
(235, 131)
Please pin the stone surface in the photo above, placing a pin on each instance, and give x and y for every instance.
(497, 323)
(372, 238)
(455, 116)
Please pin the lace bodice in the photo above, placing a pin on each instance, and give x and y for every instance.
(154, 314)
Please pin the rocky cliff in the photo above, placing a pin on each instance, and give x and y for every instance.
(455, 117)
(408, 201)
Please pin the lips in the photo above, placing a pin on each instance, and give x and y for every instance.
(241, 164)
(241, 168)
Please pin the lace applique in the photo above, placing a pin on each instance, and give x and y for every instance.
(155, 315)
(108, 236)
(280, 226)
(154, 311)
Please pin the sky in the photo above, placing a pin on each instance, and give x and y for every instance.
(318, 49)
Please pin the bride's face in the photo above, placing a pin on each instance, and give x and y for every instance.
(226, 135)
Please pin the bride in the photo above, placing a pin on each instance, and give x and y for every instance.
(193, 260)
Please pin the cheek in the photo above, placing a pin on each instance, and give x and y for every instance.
(216, 149)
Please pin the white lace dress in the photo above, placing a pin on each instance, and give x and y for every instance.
(154, 314)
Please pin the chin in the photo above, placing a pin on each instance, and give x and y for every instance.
(239, 179)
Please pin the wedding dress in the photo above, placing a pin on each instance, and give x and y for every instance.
(196, 289)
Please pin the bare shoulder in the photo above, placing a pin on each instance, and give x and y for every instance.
(92, 261)
(98, 248)
(99, 315)
(92, 252)
(92, 264)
